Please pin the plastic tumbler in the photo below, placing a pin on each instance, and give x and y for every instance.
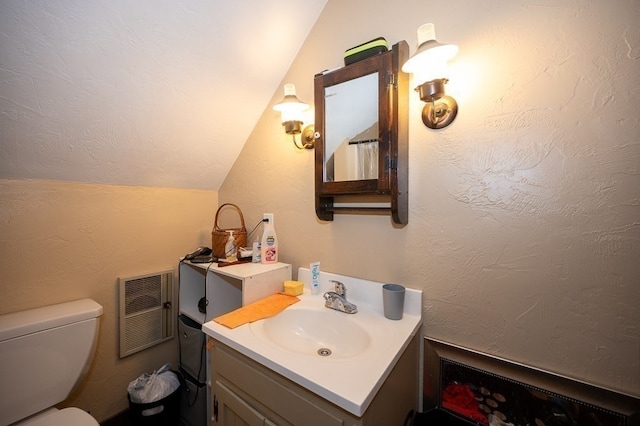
(393, 301)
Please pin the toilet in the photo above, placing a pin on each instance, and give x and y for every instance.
(44, 354)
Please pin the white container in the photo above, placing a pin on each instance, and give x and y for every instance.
(230, 249)
(315, 277)
(255, 254)
(269, 243)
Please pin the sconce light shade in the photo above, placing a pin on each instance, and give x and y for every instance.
(430, 52)
(428, 66)
(291, 109)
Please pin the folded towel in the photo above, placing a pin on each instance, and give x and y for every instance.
(255, 311)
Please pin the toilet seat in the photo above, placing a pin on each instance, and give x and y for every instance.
(71, 416)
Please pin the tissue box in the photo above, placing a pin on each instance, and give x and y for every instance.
(293, 288)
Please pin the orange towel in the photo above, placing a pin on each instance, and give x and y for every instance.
(264, 308)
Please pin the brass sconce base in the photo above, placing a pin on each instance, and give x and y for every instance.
(431, 90)
(440, 109)
(307, 135)
(439, 113)
(292, 127)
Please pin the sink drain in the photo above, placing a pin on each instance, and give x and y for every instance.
(324, 351)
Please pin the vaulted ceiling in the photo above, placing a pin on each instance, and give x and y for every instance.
(145, 92)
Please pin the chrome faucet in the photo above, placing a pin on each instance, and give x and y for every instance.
(338, 299)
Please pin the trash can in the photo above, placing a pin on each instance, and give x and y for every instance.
(154, 399)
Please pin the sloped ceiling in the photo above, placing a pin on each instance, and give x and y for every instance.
(145, 92)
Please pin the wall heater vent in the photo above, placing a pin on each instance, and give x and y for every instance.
(146, 311)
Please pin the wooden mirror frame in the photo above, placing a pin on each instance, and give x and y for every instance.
(391, 186)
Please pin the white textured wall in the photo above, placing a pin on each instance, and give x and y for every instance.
(147, 93)
(64, 241)
(524, 225)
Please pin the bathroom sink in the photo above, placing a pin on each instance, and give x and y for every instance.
(314, 331)
(343, 358)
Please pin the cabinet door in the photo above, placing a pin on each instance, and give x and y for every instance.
(361, 139)
(233, 411)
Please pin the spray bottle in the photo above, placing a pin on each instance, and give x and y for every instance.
(269, 243)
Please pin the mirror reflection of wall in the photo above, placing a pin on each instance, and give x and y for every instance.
(351, 130)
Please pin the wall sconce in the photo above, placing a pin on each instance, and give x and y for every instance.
(291, 109)
(428, 67)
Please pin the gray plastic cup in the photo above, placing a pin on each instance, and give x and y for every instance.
(393, 301)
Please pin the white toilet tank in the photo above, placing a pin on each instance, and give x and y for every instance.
(44, 352)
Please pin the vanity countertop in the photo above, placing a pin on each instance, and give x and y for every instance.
(350, 381)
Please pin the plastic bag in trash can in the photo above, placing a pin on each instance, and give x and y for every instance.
(153, 387)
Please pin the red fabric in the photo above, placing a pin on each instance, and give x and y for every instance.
(460, 399)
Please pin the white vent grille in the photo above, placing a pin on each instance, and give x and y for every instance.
(146, 311)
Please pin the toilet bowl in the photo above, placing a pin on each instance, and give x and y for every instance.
(71, 416)
(45, 353)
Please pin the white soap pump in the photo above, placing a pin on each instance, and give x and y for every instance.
(230, 250)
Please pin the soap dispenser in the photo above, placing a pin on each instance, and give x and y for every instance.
(230, 249)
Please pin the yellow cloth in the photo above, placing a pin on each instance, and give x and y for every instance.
(255, 311)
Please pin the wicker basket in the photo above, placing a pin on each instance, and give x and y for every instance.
(220, 236)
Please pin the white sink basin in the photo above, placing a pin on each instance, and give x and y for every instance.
(314, 331)
(364, 346)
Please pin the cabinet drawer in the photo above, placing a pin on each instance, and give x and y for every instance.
(192, 350)
(193, 406)
(269, 392)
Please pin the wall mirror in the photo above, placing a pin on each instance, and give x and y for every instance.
(361, 141)
(351, 140)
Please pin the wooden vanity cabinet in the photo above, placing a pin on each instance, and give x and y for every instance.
(247, 393)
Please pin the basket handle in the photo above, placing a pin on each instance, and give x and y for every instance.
(215, 225)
